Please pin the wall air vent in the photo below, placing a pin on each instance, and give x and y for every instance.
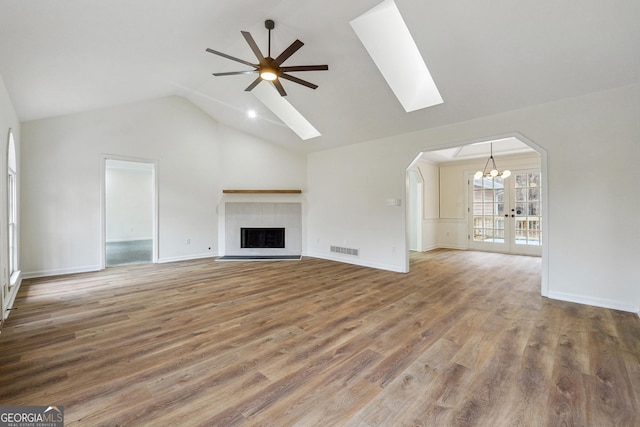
(346, 251)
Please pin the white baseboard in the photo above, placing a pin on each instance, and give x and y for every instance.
(456, 247)
(14, 289)
(132, 239)
(356, 261)
(60, 272)
(187, 257)
(92, 268)
(596, 302)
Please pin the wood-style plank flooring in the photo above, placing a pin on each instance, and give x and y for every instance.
(464, 339)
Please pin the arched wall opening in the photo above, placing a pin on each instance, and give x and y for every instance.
(440, 229)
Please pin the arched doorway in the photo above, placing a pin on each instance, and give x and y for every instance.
(456, 164)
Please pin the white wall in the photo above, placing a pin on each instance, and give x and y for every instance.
(348, 189)
(431, 197)
(593, 148)
(129, 203)
(251, 164)
(61, 203)
(8, 121)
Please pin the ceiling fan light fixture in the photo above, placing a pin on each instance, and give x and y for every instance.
(268, 68)
(268, 74)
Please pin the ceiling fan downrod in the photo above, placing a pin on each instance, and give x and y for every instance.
(269, 25)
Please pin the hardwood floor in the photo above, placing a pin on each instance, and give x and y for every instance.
(463, 339)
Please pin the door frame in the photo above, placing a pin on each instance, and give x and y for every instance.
(509, 246)
(103, 203)
(417, 194)
(544, 282)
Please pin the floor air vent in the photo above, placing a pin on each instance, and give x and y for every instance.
(346, 251)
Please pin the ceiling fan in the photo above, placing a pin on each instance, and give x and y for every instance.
(268, 68)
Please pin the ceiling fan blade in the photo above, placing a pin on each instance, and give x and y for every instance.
(278, 86)
(233, 73)
(299, 81)
(254, 47)
(233, 58)
(254, 84)
(304, 68)
(293, 48)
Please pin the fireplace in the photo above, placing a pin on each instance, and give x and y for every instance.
(262, 237)
(262, 229)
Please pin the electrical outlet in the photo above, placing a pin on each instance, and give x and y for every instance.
(188, 240)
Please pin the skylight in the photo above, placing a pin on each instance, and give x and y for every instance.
(385, 35)
(270, 97)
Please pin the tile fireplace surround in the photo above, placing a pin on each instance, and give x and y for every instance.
(263, 215)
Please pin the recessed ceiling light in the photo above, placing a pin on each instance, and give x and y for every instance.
(251, 114)
(385, 36)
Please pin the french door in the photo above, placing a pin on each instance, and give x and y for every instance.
(506, 213)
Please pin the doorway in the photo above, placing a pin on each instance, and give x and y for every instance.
(506, 213)
(450, 169)
(129, 212)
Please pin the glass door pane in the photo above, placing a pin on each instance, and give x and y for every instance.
(488, 210)
(528, 209)
(506, 213)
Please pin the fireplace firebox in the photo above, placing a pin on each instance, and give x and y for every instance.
(261, 237)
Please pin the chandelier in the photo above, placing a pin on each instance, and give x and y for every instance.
(494, 169)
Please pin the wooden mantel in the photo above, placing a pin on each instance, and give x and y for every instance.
(262, 191)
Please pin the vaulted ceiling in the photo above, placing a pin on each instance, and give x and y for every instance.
(67, 56)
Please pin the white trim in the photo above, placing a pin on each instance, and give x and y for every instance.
(459, 248)
(596, 302)
(346, 260)
(62, 271)
(544, 280)
(15, 279)
(13, 292)
(137, 239)
(103, 205)
(419, 204)
(187, 258)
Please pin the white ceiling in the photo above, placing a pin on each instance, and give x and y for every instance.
(66, 56)
(499, 147)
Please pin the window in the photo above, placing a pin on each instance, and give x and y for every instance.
(488, 209)
(12, 206)
(528, 208)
